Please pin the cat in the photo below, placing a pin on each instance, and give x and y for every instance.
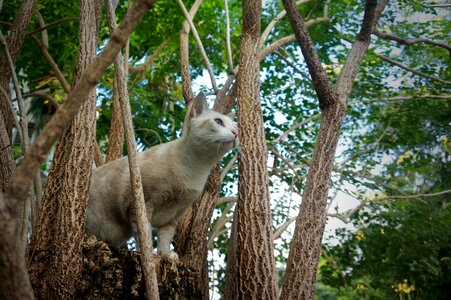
(173, 176)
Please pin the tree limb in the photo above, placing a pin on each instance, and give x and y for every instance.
(184, 54)
(402, 41)
(199, 44)
(142, 219)
(411, 70)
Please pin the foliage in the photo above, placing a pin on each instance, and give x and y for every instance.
(403, 250)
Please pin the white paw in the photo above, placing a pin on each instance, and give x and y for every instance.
(171, 255)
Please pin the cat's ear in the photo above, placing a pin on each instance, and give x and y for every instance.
(231, 115)
(200, 105)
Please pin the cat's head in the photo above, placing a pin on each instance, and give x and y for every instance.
(208, 129)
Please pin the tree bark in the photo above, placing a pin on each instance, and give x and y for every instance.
(62, 213)
(255, 256)
(116, 136)
(300, 275)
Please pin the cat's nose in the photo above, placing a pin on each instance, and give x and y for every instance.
(235, 132)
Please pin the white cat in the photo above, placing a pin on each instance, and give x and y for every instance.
(173, 176)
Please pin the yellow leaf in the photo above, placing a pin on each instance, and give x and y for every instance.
(45, 81)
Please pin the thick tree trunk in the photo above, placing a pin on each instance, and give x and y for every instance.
(62, 213)
(255, 255)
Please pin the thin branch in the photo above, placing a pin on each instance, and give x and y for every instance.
(402, 66)
(229, 48)
(199, 44)
(289, 62)
(228, 167)
(402, 41)
(288, 39)
(44, 35)
(223, 219)
(184, 54)
(223, 200)
(410, 196)
(294, 127)
(150, 59)
(278, 232)
(346, 217)
(30, 197)
(142, 220)
(274, 21)
(53, 25)
(53, 65)
(22, 111)
(402, 98)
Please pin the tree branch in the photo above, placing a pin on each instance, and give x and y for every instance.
(142, 219)
(229, 48)
(150, 59)
(402, 41)
(184, 54)
(54, 24)
(274, 21)
(416, 72)
(325, 92)
(199, 44)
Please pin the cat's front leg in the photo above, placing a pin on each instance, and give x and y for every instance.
(165, 235)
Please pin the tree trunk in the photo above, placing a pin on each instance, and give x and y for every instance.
(255, 255)
(300, 275)
(62, 213)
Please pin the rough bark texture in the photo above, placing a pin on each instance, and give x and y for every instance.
(110, 273)
(255, 255)
(300, 275)
(62, 213)
(7, 165)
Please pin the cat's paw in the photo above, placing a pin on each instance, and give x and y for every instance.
(171, 255)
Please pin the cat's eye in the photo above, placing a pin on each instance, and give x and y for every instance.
(219, 122)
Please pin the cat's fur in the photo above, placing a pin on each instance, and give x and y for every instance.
(173, 176)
